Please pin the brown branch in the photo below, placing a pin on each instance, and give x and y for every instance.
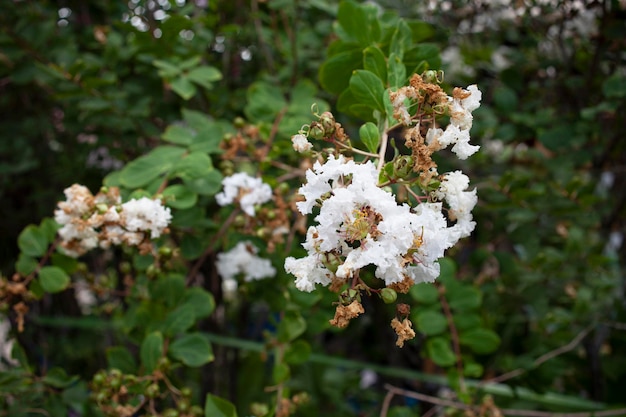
(211, 247)
(505, 411)
(543, 358)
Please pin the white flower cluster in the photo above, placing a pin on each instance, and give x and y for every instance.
(247, 190)
(242, 259)
(460, 107)
(101, 221)
(360, 224)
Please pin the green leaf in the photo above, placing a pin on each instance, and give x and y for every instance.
(424, 293)
(336, 71)
(209, 184)
(193, 165)
(197, 120)
(421, 57)
(151, 351)
(463, 297)
(265, 101)
(118, 357)
(177, 134)
(374, 61)
(58, 378)
(280, 373)
(25, 264)
(615, 86)
(179, 320)
(49, 228)
(430, 322)
(192, 349)
(32, 241)
(147, 168)
(356, 23)
(169, 289)
(179, 196)
(480, 341)
(466, 321)
(440, 352)
(204, 76)
(396, 72)
(218, 407)
(400, 40)
(368, 89)
(200, 301)
(183, 87)
(53, 279)
(166, 69)
(66, 263)
(297, 352)
(370, 136)
(291, 326)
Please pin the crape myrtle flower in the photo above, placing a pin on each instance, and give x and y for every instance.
(248, 191)
(242, 260)
(360, 224)
(89, 221)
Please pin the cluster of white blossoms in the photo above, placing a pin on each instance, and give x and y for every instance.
(459, 106)
(248, 191)
(360, 224)
(90, 221)
(242, 260)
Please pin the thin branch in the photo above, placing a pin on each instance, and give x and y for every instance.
(386, 403)
(211, 247)
(504, 411)
(543, 358)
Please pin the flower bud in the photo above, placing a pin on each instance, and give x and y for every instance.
(239, 122)
(327, 120)
(388, 295)
(403, 166)
(316, 131)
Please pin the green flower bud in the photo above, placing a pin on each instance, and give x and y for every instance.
(327, 120)
(316, 131)
(239, 122)
(388, 295)
(402, 166)
(152, 390)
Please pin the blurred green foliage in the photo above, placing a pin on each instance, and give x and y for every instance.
(93, 90)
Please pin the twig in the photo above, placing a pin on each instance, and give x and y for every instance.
(386, 403)
(504, 411)
(543, 358)
(209, 249)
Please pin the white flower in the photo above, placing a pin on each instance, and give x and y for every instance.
(6, 344)
(360, 224)
(242, 259)
(85, 297)
(248, 190)
(461, 202)
(453, 134)
(146, 214)
(301, 143)
(461, 109)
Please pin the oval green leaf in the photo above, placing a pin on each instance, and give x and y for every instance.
(370, 136)
(151, 351)
(53, 279)
(192, 349)
(32, 241)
